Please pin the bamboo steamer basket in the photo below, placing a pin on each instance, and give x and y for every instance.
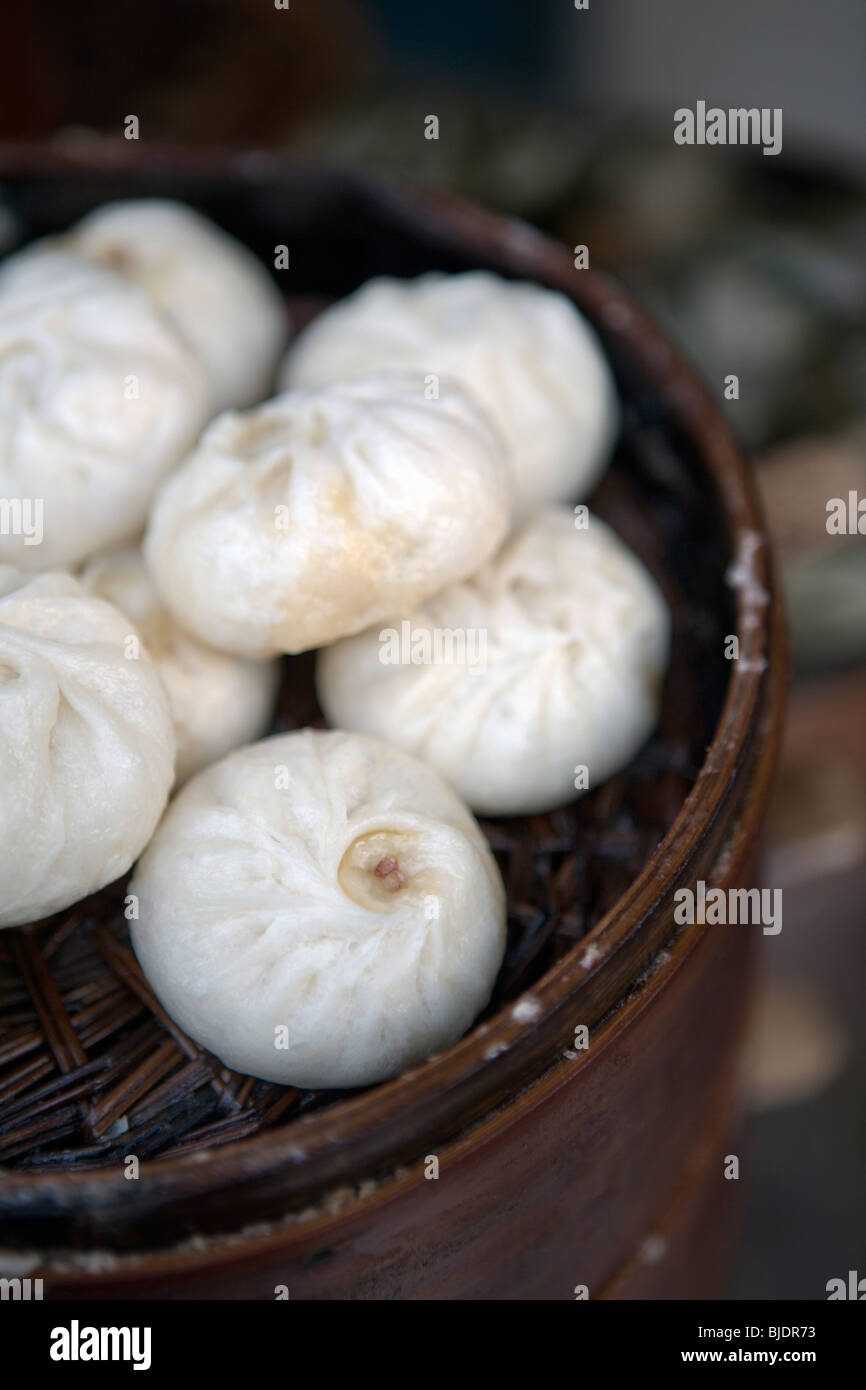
(560, 1169)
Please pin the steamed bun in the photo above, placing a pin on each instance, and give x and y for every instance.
(555, 656)
(86, 745)
(98, 400)
(216, 293)
(323, 511)
(319, 909)
(525, 352)
(217, 701)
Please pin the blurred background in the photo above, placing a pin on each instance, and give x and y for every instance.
(756, 265)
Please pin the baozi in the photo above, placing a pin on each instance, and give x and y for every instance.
(323, 511)
(525, 352)
(216, 293)
(319, 909)
(218, 702)
(554, 662)
(98, 400)
(86, 745)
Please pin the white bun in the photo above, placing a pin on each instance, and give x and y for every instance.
(263, 920)
(323, 511)
(86, 745)
(216, 293)
(576, 636)
(218, 702)
(98, 401)
(526, 353)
